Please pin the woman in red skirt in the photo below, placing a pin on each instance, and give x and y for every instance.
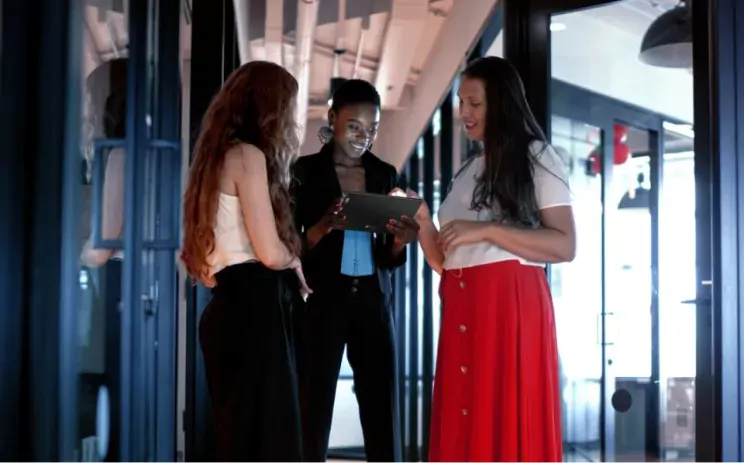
(496, 394)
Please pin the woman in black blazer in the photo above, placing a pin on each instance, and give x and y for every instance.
(350, 276)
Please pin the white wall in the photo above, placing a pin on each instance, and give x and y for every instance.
(312, 144)
(596, 55)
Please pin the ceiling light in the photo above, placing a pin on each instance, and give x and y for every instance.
(557, 27)
(668, 40)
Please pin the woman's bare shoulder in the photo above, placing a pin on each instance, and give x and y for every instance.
(245, 159)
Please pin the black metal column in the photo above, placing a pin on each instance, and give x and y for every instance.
(214, 55)
(446, 140)
(42, 117)
(527, 47)
(167, 122)
(653, 396)
(718, 64)
(413, 325)
(15, 133)
(134, 387)
(36, 74)
(427, 358)
(401, 326)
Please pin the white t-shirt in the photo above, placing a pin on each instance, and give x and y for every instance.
(551, 190)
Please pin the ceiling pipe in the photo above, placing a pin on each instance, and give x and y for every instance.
(400, 130)
(242, 20)
(274, 31)
(307, 19)
(405, 28)
(360, 46)
(341, 27)
(340, 48)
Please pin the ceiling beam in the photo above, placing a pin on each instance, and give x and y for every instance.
(400, 130)
(307, 19)
(405, 28)
(274, 31)
(242, 10)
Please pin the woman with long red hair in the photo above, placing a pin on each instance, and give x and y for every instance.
(239, 239)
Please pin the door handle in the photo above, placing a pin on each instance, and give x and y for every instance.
(699, 300)
(599, 330)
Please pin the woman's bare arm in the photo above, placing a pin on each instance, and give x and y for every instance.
(428, 235)
(246, 168)
(429, 240)
(113, 196)
(112, 210)
(554, 243)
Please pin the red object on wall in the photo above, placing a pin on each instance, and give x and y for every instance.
(595, 162)
(621, 154)
(621, 133)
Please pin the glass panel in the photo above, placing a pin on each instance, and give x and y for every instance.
(577, 294)
(677, 319)
(649, 387)
(628, 302)
(102, 182)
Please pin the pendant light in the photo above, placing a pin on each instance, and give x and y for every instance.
(668, 40)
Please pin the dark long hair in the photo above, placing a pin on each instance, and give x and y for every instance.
(256, 105)
(107, 86)
(506, 186)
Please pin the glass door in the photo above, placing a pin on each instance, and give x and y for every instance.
(578, 295)
(633, 388)
(127, 208)
(640, 233)
(631, 269)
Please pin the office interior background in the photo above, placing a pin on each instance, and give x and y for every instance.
(103, 363)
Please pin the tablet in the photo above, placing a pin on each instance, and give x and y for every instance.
(372, 212)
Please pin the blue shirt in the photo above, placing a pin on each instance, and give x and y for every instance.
(356, 257)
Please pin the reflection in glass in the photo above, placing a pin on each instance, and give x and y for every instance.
(103, 118)
(677, 316)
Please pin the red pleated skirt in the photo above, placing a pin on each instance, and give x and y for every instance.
(496, 393)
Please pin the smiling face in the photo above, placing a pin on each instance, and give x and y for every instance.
(355, 128)
(472, 94)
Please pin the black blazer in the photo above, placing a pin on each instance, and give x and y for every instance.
(314, 189)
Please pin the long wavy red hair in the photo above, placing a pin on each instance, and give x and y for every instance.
(256, 106)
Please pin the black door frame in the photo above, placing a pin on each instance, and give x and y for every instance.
(33, 133)
(718, 65)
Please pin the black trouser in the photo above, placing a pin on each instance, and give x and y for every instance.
(247, 338)
(350, 312)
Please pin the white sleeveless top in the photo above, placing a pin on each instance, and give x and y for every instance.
(232, 244)
(551, 190)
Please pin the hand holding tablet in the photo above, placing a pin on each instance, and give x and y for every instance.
(374, 212)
